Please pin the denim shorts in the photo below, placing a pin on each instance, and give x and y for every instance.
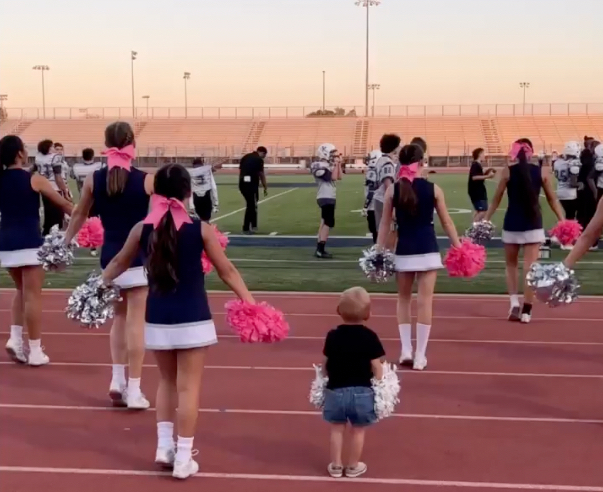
(355, 405)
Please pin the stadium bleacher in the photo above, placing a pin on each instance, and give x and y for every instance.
(299, 137)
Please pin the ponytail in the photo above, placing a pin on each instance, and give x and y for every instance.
(407, 198)
(116, 180)
(527, 193)
(162, 260)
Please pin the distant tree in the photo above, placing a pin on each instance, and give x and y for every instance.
(330, 113)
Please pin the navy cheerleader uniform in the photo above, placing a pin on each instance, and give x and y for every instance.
(180, 319)
(518, 227)
(119, 214)
(20, 234)
(417, 249)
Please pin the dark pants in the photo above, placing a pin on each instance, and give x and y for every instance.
(586, 206)
(570, 208)
(53, 215)
(251, 193)
(203, 206)
(372, 225)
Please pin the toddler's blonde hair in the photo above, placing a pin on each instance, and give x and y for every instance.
(354, 305)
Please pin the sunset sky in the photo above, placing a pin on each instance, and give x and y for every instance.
(273, 52)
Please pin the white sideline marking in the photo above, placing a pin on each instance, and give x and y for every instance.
(304, 478)
(273, 233)
(90, 333)
(308, 369)
(259, 203)
(309, 413)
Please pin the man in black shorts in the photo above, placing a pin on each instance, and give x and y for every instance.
(251, 172)
(477, 185)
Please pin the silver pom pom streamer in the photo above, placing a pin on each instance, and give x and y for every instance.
(387, 392)
(378, 264)
(317, 389)
(553, 283)
(481, 232)
(91, 304)
(54, 254)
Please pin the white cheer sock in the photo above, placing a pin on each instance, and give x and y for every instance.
(422, 339)
(16, 332)
(406, 338)
(165, 435)
(184, 449)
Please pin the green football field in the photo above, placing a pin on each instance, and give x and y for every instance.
(275, 261)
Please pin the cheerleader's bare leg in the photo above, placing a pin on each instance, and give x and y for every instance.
(530, 256)
(14, 346)
(405, 282)
(33, 280)
(512, 271)
(119, 353)
(137, 301)
(167, 402)
(190, 374)
(426, 286)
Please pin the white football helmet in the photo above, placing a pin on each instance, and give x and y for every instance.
(327, 152)
(373, 157)
(599, 151)
(572, 149)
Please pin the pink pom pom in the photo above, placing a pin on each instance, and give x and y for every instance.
(566, 232)
(256, 322)
(466, 261)
(91, 234)
(223, 239)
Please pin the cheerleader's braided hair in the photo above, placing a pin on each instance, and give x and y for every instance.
(119, 135)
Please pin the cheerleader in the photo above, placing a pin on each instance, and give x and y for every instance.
(179, 327)
(20, 239)
(522, 180)
(205, 191)
(410, 203)
(120, 195)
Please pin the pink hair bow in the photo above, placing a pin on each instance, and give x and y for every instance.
(121, 158)
(161, 205)
(409, 172)
(517, 147)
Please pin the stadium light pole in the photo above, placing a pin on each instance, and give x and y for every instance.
(133, 54)
(374, 87)
(367, 4)
(186, 77)
(324, 91)
(147, 99)
(43, 68)
(525, 86)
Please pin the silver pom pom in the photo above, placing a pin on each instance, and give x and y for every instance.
(92, 302)
(553, 283)
(317, 389)
(378, 264)
(481, 232)
(54, 254)
(387, 392)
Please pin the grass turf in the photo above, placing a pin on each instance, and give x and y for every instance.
(295, 213)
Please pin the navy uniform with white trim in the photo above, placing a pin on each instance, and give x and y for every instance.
(20, 234)
(118, 214)
(417, 249)
(180, 319)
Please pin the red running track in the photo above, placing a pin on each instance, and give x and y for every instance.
(501, 406)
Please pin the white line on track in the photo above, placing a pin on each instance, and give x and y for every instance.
(259, 203)
(385, 316)
(90, 333)
(309, 413)
(309, 368)
(305, 478)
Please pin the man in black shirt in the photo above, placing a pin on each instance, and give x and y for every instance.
(477, 185)
(251, 172)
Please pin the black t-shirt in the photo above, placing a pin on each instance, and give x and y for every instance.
(587, 165)
(477, 188)
(250, 167)
(349, 350)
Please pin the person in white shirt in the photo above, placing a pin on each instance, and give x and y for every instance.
(50, 165)
(370, 187)
(566, 169)
(205, 191)
(386, 171)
